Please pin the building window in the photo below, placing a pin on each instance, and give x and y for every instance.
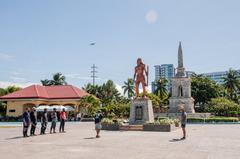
(12, 110)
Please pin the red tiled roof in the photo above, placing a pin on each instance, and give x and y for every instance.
(47, 92)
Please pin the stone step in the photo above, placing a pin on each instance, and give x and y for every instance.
(131, 128)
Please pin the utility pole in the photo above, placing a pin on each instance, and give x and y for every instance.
(93, 72)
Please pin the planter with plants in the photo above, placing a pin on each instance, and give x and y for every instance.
(111, 124)
(164, 125)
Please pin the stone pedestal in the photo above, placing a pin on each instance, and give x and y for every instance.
(181, 95)
(174, 103)
(141, 111)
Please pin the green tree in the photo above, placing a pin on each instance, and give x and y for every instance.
(106, 92)
(2, 92)
(8, 90)
(91, 103)
(109, 93)
(11, 89)
(232, 84)
(204, 89)
(58, 79)
(161, 88)
(46, 82)
(93, 89)
(129, 88)
(222, 107)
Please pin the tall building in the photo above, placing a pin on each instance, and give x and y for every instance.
(164, 71)
(217, 76)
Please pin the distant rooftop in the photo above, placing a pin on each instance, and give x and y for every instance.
(47, 92)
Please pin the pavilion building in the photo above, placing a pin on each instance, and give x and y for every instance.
(36, 95)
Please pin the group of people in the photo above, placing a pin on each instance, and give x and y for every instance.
(30, 119)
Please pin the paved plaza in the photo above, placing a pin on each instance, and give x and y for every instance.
(203, 142)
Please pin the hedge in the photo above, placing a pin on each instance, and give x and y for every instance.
(213, 119)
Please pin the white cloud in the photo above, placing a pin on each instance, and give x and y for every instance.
(151, 17)
(78, 76)
(5, 84)
(6, 57)
(18, 79)
(119, 88)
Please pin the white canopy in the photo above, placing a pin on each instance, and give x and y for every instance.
(42, 107)
(58, 108)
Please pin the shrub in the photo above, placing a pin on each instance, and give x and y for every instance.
(108, 121)
(162, 118)
(192, 120)
(212, 119)
(162, 122)
(222, 107)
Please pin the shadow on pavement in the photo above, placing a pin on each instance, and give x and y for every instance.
(17, 137)
(90, 138)
(175, 140)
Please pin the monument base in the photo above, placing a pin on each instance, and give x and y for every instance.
(174, 103)
(141, 111)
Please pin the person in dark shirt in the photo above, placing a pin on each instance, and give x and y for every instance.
(26, 122)
(54, 120)
(98, 125)
(44, 121)
(183, 121)
(33, 117)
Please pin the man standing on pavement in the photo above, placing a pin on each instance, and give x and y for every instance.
(26, 122)
(44, 120)
(98, 125)
(54, 120)
(33, 117)
(183, 121)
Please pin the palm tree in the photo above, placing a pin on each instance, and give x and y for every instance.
(232, 83)
(129, 87)
(58, 79)
(46, 82)
(161, 89)
(93, 89)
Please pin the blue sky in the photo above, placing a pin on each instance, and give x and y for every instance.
(39, 38)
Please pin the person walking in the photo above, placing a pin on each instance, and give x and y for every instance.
(63, 118)
(26, 122)
(33, 117)
(183, 121)
(44, 121)
(98, 125)
(54, 120)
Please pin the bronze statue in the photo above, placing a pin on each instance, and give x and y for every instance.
(140, 73)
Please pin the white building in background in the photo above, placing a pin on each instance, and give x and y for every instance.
(164, 71)
(217, 76)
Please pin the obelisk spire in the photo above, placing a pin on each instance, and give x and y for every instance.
(180, 56)
(180, 68)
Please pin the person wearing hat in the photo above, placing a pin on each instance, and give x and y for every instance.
(183, 121)
(44, 121)
(97, 121)
(33, 118)
(54, 120)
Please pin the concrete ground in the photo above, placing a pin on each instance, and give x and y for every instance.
(203, 142)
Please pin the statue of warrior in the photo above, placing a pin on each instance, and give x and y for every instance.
(139, 77)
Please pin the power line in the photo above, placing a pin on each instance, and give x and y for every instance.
(93, 72)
